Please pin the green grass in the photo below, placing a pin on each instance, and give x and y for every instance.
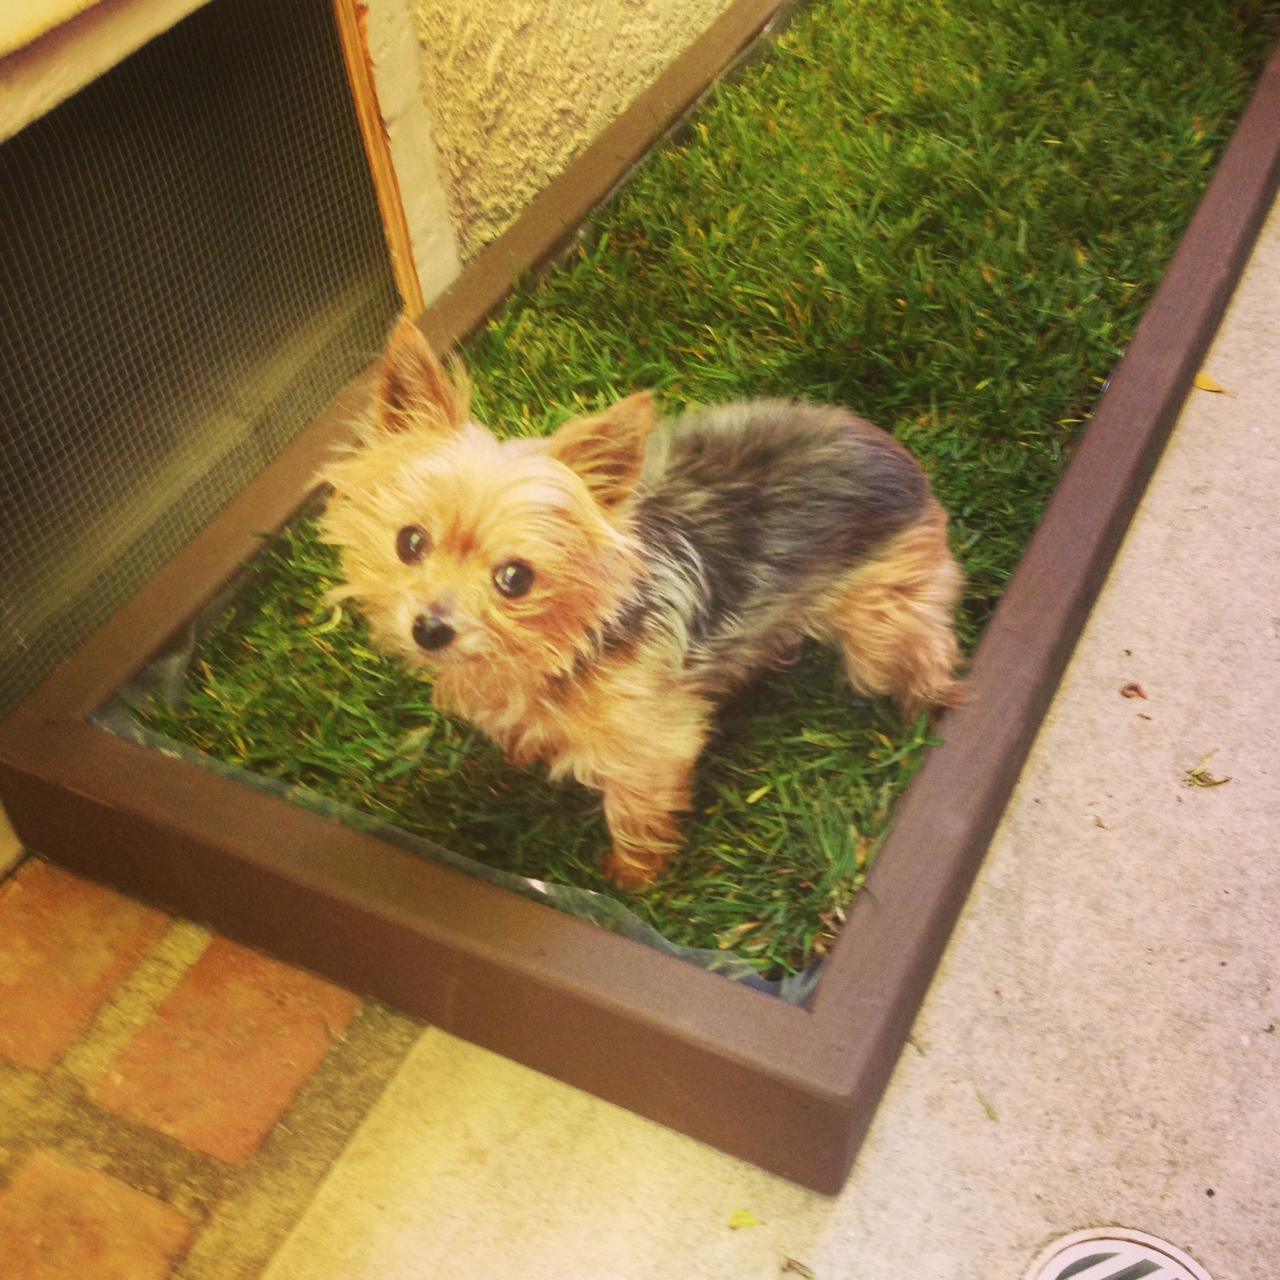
(948, 217)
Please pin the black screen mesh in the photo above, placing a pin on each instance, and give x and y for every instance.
(191, 266)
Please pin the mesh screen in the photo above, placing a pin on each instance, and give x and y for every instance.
(191, 265)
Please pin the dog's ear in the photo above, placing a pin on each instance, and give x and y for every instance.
(606, 452)
(414, 390)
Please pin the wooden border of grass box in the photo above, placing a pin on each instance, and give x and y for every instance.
(790, 1088)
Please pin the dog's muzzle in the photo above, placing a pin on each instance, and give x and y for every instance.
(431, 634)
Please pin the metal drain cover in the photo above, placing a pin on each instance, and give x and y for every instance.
(1114, 1253)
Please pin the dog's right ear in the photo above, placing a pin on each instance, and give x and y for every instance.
(415, 392)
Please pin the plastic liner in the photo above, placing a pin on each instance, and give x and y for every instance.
(166, 678)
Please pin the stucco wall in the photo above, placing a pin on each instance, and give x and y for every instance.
(518, 87)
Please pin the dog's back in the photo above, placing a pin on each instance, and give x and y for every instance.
(751, 515)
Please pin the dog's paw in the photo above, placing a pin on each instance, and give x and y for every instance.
(631, 870)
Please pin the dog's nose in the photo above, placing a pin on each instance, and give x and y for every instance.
(431, 634)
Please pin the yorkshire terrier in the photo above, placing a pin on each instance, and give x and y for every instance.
(589, 599)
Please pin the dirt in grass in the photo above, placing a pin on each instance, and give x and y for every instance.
(946, 216)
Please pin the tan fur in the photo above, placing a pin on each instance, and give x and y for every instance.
(606, 452)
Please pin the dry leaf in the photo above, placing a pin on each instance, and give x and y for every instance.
(791, 1267)
(862, 850)
(1206, 383)
(1200, 775)
(743, 1218)
(731, 937)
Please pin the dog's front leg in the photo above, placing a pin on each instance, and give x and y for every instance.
(636, 736)
(643, 817)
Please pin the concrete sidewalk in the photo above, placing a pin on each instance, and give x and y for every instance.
(1099, 1046)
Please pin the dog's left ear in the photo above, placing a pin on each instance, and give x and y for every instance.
(606, 452)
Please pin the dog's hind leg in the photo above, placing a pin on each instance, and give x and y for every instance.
(894, 619)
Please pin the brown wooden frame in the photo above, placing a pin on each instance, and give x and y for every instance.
(351, 17)
(792, 1089)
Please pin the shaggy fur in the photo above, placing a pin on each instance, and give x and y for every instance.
(589, 599)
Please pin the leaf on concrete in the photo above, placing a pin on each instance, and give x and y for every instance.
(791, 1267)
(1200, 775)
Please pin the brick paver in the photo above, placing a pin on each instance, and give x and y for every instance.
(227, 1051)
(61, 1222)
(64, 945)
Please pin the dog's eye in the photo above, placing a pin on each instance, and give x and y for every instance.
(513, 578)
(412, 543)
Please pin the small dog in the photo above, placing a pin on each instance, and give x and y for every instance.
(589, 599)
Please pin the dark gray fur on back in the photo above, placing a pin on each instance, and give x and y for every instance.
(747, 510)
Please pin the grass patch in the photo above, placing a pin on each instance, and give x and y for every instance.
(948, 217)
